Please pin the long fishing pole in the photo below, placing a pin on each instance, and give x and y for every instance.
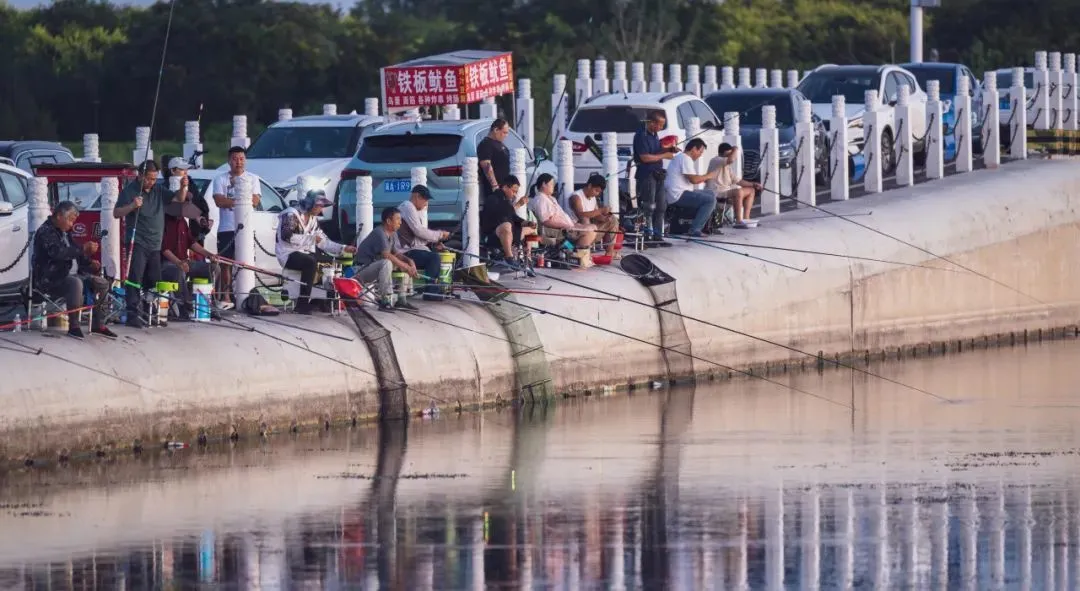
(745, 254)
(41, 351)
(828, 254)
(916, 247)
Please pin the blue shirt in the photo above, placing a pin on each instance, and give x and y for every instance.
(646, 143)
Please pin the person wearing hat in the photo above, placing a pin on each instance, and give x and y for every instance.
(176, 248)
(415, 238)
(299, 236)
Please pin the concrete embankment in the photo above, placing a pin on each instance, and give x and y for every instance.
(1015, 226)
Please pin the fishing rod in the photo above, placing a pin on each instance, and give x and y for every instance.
(829, 254)
(41, 351)
(916, 247)
(745, 254)
(747, 335)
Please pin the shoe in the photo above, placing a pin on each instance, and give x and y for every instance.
(385, 306)
(226, 305)
(135, 321)
(305, 309)
(75, 332)
(696, 234)
(405, 305)
(529, 272)
(103, 331)
(741, 225)
(658, 243)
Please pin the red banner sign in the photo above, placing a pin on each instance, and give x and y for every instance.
(412, 87)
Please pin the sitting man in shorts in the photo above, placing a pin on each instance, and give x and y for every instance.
(584, 207)
(729, 186)
(553, 217)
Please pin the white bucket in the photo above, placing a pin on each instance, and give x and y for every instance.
(202, 294)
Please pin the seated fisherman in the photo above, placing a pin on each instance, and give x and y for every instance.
(500, 222)
(415, 238)
(729, 185)
(55, 256)
(551, 216)
(584, 208)
(298, 236)
(176, 248)
(379, 254)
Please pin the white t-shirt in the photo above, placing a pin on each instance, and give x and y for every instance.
(728, 177)
(676, 182)
(223, 185)
(587, 205)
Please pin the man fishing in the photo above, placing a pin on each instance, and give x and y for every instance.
(176, 249)
(415, 238)
(299, 236)
(379, 254)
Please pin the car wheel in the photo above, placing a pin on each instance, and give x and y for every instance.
(888, 153)
(824, 174)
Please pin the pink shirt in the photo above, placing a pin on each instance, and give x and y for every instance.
(549, 213)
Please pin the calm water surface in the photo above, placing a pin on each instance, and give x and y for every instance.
(724, 486)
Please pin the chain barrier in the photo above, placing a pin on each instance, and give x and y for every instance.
(897, 141)
(983, 138)
(261, 247)
(1012, 115)
(926, 134)
(829, 145)
(1034, 97)
(19, 257)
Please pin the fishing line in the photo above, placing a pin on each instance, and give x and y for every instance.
(828, 254)
(41, 351)
(745, 254)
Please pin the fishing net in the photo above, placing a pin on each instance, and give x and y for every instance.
(393, 401)
(673, 336)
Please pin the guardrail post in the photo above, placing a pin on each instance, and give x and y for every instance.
(110, 228)
(991, 129)
(600, 83)
(804, 164)
(470, 182)
(727, 78)
(656, 78)
(1070, 104)
(1041, 99)
(793, 78)
(1054, 74)
(565, 160)
(365, 209)
(1018, 123)
(710, 85)
(558, 106)
(518, 156)
(611, 171)
(675, 82)
(418, 176)
(619, 83)
(90, 148)
(770, 161)
(962, 106)
(583, 83)
(284, 114)
(371, 107)
(329, 109)
(733, 135)
(776, 79)
(39, 204)
(872, 124)
(637, 77)
(239, 132)
(193, 143)
(935, 147)
(488, 108)
(693, 129)
(905, 170)
(693, 79)
(761, 78)
(525, 124)
(243, 279)
(839, 176)
(744, 77)
(142, 150)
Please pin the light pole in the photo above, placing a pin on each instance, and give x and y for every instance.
(917, 27)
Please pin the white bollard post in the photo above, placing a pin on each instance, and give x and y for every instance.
(565, 160)
(611, 171)
(710, 85)
(804, 163)
(583, 84)
(91, 148)
(284, 115)
(963, 124)
(110, 228)
(418, 176)
(991, 130)
(526, 121)
(1056, 102)
(518, 156)
(558, 106)
(243, 279)
(776, 79)
(619, 83)
(727, 78)
(637, 77)
(770, 161)
(693, 129)
(600, 84)
(935, 148)
(365, 210)
(1018, 124)
(451, 113)
(761, 78)
(488, 108)
(656, 78)
(675, 83)
(239, 132)
(329, 109)
(371, 107)
(470, 182)
(839, 176)
(905, 169)
(1041, 108)
(733, 136)
(744, 77)
(142, 151)
(193, 143)
(793, 78)
(872, 127)
(1070, 104)
(39, 204)
(693, 79)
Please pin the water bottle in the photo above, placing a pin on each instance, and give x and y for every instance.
(18, 323)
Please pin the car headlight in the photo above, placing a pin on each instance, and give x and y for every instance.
(786, 151)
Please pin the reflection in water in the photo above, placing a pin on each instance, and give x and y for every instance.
(715, 487)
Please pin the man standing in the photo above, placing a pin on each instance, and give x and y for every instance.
(224, 191)
(142, 203)
(55, 255)
(649, 156)
(679, 186)
(379, 254)
(415, 238)
(494, 157)
(298, 236)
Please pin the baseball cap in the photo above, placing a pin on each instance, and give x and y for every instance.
(317, 197)
(422, 191)
(178, 163)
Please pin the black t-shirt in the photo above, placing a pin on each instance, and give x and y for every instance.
(499, 155)
(498, 210)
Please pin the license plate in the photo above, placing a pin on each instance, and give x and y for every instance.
(397, 185)
(1004, 102)
(624, 152)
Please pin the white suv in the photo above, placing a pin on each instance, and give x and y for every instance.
(625, 113)
(820, 85)
(14, 231)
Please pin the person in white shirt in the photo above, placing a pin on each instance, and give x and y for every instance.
(224, 191)
(545, 207)
(584, 208)
(415, 238)
(729, 185)
(298, 236)
(682, 175)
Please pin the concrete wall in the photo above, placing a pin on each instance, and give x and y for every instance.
(1016, 224)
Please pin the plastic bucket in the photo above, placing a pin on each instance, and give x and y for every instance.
(399, 286)
(446, 269)
(202, 292)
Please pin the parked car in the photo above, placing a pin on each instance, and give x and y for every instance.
(624, 113)
(389, 153)
(821, 84)
(25, 154)
(14, 231)
(749, 102)
(318, 146)
(948, 77)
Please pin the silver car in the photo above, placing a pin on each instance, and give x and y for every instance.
(388, 154)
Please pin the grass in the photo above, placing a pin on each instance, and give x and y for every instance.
(215, 140)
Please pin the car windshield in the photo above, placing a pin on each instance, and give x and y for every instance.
(305, 142)
(409, 147)
(1005, 79)
(749, 106)
(820, 87)
(617, 118)
(85, 195)
(946, 78)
